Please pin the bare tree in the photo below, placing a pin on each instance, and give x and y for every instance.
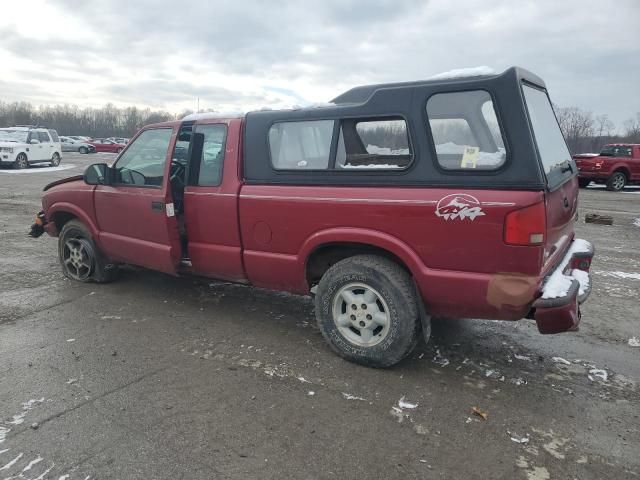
(602, 131)
(632, 129)
(576, 125)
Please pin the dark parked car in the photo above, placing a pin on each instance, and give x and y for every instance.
(70, 145)
(385, 218)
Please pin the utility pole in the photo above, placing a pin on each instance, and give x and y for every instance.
(198, 110)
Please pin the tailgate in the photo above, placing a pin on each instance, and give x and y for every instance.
(561, 206)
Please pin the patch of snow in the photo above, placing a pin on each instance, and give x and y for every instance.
(517, 438)
(622, 275)
(405, 405)
(559, 283)
(32, 463)
(303, 380)
(71, 381)
(598, 373)
(439, 359)
(634, 342)
(522, 357)
(5, 450)
(372, 166)
(26, 406)
(375, 149)
(71, 340)
(111, 317)
(479, 71)
(348, 396)
(12, 462)
(36, 169)
(397, 413)
(561, 360)
(519, 381)
(636, 222)
(212, 115)
(45, 473)
(311, 393)
(3, 434)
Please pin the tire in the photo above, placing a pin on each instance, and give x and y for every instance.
(21, 162)
(118, 150)
(55, 159)
(79, 257)
(385, 289)
(584, 182)
(617, 181)
(83, 150)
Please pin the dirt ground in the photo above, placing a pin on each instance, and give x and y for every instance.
(155, 377)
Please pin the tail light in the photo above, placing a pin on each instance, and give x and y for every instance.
(527, 226)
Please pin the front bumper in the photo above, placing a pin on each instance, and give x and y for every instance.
(564, 289)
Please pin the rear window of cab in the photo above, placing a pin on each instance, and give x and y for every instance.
(380, 143)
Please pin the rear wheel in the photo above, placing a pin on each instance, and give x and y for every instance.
(367, 310)
(118, 150)
(21, 161)
(617, 181)
(80, 258)
(55, 160)
(584, 182)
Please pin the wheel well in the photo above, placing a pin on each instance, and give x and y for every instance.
(623, 170)
(60, 218)
(323, 257)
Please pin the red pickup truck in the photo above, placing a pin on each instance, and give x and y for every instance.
(453, 197)
(617, 165)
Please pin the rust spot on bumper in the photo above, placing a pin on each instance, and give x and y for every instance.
(512, 291)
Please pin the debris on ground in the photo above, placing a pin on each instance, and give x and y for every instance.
(598, 373)
(35, 425)
(405, 405)
(71, 340)
(348, 396)
(561, 360)
(634, 342)
(311, 393)
(599, 219)
(303, 380)
(518, 438)
(480, 413)
(71, 381)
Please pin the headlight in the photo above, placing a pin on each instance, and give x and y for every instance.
(6, 149)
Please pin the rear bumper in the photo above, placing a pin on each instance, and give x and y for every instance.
(564, 289)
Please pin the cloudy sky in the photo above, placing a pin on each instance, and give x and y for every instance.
(247, 54)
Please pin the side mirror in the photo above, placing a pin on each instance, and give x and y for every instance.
(97, 174)
(33, 141)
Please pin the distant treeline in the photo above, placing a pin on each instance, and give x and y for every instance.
(108, 121)
(584, 131)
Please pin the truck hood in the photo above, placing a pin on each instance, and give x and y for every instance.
(75, 178)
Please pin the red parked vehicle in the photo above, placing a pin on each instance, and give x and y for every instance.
(109, 146)
(617, 165)
(452, 197)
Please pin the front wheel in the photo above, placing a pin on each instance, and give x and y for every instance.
(83, 150)
(118, 150)
(367, 310)
(80, 258)
(584, 182)
(21, 162)
(55, 160)
(617, 181)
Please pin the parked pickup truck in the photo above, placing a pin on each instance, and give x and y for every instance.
(617, 165)
(454, 197)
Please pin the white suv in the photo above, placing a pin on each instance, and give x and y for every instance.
(24, 145)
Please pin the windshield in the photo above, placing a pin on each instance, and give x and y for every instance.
(7, 135)
(616, 151)
(554, 154)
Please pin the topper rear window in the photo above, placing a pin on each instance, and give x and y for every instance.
(465, 131)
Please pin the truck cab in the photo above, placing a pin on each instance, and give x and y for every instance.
(453, 197)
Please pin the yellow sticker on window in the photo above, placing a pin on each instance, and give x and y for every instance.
(470, 157)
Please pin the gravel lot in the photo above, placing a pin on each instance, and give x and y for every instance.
(161, 377)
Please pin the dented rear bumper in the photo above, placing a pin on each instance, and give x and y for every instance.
(557, 309)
